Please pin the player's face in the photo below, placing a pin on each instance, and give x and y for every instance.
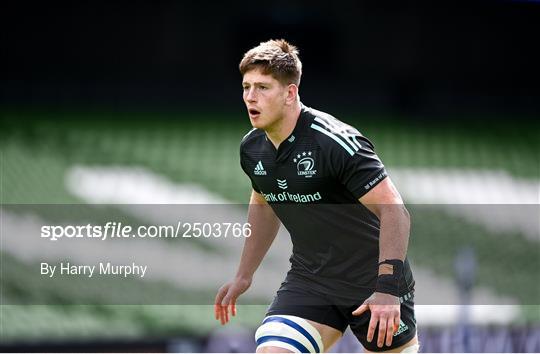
(265, 99)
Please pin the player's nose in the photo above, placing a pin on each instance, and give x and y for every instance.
(250, 95)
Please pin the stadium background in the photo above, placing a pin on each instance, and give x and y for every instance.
(97, 95)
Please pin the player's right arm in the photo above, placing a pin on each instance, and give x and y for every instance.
(264, 227)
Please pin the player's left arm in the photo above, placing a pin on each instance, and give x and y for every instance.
(385, 202)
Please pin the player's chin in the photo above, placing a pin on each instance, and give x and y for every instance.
(256, 121)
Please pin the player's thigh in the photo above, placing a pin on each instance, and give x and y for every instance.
(294, 307)
(329, 335)
(288, 333)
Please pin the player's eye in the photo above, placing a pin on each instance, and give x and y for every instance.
(264, 88)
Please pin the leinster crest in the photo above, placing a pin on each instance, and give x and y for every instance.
(305, 164)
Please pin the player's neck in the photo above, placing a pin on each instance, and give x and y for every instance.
(285, 126)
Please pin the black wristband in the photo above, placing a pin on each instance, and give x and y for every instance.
(389, 283)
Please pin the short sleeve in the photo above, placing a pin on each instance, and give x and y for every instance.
(242, 164)
(358, 168)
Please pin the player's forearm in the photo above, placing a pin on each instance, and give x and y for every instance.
(394, 235)
(264, 227)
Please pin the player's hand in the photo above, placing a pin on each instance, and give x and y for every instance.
(226, 298)
(385, 311)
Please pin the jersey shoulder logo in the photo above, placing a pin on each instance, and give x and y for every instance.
(305, 164)
(259, 169)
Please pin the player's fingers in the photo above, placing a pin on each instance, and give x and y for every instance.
(218, 301)
(396, 323)
(217, 308)
(220, 314)
(220, 295)
(382, 331)
(361, 309)
(216, 311)
(225, 315)
(371, 328)
(225, 303)
(233, 307)
(389, 331)
(226, 309)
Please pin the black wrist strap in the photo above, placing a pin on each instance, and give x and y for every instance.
(389, 283)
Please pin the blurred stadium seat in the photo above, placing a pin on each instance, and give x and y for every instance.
(37, 155)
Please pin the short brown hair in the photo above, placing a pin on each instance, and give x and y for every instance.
(275, 57)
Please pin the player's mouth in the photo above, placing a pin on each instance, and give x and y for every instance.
(254, 113)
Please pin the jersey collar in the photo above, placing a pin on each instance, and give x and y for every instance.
(286, 147)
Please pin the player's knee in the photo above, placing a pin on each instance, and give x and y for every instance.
(288, 334)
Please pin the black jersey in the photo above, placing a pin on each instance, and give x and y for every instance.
(313, 182)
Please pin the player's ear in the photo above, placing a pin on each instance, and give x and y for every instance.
(292, 93)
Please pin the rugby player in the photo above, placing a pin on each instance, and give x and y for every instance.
(323, 181)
